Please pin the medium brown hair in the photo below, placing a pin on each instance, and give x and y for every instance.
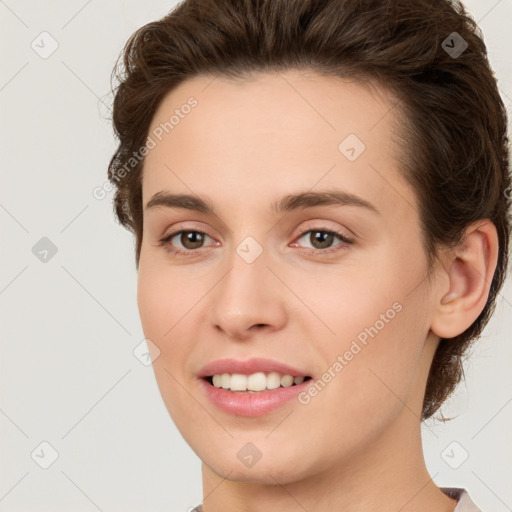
(454, 139)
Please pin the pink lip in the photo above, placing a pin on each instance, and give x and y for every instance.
(245, 403)
(251, 404)
(248, 367)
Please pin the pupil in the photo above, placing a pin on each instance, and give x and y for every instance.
(191, 239)
(322, 238)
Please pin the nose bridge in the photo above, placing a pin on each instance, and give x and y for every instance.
(245, 296)
(244, 286)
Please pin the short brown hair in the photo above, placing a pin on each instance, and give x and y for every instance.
(454, 142)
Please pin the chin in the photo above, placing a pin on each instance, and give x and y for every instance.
(274, 465)
(269, 474)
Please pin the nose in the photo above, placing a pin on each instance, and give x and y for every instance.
(249, 299)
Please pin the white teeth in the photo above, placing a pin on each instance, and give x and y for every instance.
(255, 382)
(286, 381)
(225, 380)
(273, 380)
(238, 382)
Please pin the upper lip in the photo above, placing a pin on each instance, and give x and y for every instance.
(249, 366)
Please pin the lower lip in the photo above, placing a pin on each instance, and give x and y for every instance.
(251, 404)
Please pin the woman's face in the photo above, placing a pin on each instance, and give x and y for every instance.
(268, 279)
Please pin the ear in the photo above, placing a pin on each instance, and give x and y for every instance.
(465, 279)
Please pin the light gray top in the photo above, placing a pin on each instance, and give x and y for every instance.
(464, 502)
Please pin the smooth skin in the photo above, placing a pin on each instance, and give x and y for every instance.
(356, 446)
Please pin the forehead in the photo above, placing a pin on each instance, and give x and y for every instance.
(273, 132)
(292, 102)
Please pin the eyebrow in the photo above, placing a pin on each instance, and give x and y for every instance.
(288, 203)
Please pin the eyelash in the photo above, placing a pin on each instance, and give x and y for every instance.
(165, 242)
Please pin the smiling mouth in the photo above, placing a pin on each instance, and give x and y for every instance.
(254, 383)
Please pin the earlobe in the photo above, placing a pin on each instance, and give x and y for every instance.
(469, 270)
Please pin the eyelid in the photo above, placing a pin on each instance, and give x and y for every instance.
(323, 225)
(185, 226)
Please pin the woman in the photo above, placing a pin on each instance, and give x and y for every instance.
(319, 197)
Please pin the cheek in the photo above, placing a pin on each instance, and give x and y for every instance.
(152, 301)
(373, 350)
(371, 371)
(163, 298)
(170, 303)
(163, 302)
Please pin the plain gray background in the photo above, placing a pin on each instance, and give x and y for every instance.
(70, 324)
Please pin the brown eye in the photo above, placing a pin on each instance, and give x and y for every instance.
(184, 241)
(191, 239)
(321, 239)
